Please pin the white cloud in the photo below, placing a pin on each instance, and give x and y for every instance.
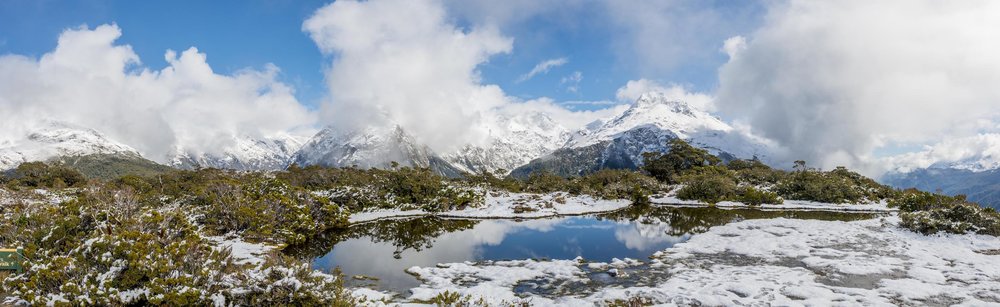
(542, 68)
(734, 45)
(976, 153)
(834, 80)
(401, 61)
(89, 81)
(572, 81)
(404, 62)
(635, 88)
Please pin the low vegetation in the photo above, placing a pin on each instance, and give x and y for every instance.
(153, 239)
(104, 245)
(929, 213)
(705, 178)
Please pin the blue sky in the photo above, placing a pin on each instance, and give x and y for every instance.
(241, 34)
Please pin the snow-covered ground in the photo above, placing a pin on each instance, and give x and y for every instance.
(671, 199)
(754, 262)
(242, 251)
(510, 205)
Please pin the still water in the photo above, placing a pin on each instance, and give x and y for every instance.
(383, 250)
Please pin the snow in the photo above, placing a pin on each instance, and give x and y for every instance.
(509, 205)
(243, 252)
(492, 280)
(370, 297)
(365, 148)
(760, 262)
(374, 215)
(55, 139)
(514, 140)
(243, 153)
(506, 205)
(670, 199)
(656, 112)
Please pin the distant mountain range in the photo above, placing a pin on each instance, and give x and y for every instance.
(981, 186)
(968, 166)
(517, 143)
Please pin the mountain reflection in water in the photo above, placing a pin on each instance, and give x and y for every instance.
(385, 249)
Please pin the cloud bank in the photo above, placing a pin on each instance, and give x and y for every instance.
(90, 81)
(834, 80)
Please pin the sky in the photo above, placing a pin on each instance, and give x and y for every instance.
(839, 83)
(240, 34)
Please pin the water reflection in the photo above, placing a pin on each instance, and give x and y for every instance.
(385, 249)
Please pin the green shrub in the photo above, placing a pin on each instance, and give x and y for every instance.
(836, 186)
(682, 156)
(264, 208)
(617, 184)
(106, 243)
(546, 182)
(754, 197)
(756, 173)
(911, 200)
(956, 218)
(708, 184)
(42, 175)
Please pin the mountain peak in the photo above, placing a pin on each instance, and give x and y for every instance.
(654, 99)
(652, 109)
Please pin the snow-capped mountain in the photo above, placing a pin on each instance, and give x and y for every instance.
(370, 147)
(514, 141)
(245, 153)
(646, 126)
(59, 139)
(654, 110)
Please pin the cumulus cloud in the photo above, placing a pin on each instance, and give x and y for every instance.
(90, 81)
(542, 68)
(402, 62)
(635, 88)
(834, 80)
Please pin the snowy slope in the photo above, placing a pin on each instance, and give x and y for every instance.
(646, 126)
(678, 119)
(370, 147)
(58, 139)
(654, 109)
(514, 141)
(244, 153)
